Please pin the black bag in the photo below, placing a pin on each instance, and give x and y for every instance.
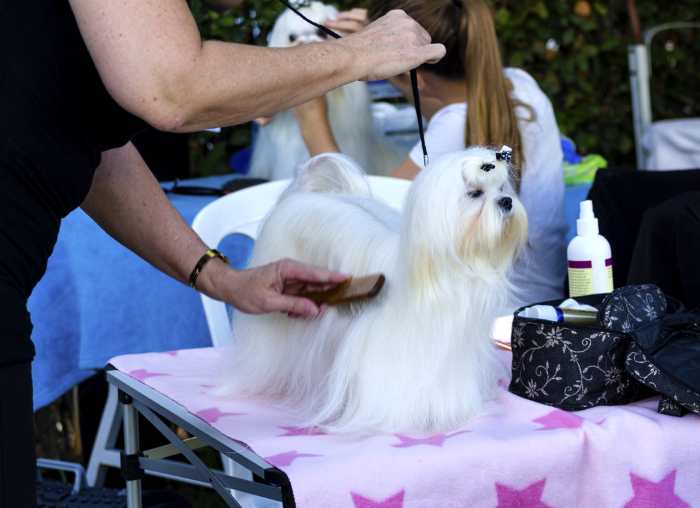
(665, 356)
(641, 338)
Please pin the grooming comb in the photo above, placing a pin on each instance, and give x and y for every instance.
(351, 290)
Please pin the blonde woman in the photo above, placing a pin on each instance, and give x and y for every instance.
(471, 99)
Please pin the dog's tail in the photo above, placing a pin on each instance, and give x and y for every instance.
(330, 173)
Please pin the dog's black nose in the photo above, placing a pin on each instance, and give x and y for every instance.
(506, 203)
(487, 166)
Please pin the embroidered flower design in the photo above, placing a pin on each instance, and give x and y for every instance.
(531, 388)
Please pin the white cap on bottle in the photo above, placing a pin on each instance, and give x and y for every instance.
(587, 224)
(546, 312)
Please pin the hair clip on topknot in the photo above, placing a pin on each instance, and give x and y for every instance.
(505, 154)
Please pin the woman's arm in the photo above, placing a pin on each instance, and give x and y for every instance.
(127, 201)
(318, 135)
(153, 61)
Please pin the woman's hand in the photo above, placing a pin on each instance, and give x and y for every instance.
(391, 45)
(407, 170)
(349, 22)
(270, 288)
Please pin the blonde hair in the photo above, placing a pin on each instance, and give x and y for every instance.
(473, 54)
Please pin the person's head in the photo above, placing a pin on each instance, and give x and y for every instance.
(466, 28)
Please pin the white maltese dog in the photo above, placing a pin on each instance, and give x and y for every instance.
(279, 147)
(417, 357)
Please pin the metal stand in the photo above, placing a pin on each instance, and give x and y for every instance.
(131, 451)
(639, 58)
(267, 483)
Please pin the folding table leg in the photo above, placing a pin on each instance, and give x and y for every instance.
(131, 448)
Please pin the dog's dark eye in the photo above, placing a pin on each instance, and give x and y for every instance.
(321, 34)
(292, 37)
(475, 194)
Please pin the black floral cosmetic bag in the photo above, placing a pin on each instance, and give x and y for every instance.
(575, 367)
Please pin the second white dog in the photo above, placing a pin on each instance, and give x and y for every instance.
(279, 147)
(418, 357)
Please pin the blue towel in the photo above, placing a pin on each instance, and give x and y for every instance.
(99, 300)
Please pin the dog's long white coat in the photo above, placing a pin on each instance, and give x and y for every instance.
(418, 357)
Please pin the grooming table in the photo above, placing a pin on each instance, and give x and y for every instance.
(518, 454)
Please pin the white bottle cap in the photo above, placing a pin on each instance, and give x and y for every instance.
(587, 224)
(546, 312)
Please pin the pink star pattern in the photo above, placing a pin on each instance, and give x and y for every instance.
(212, 414)
(301, 431)
(559, 420)
(529, 497)
(435, 440)
(286, 458)
(143, 374)
(394, 501)
(648, 493)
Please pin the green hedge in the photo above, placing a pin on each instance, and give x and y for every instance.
(576, 50)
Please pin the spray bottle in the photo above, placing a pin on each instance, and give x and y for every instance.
(589, 257)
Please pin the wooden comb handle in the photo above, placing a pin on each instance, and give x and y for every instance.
(353, 289)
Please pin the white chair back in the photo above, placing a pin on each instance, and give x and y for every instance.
(242, 213)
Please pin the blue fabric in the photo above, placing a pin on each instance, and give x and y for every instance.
(573, 195)
(239, 161)
(99, 300)
(568, 147)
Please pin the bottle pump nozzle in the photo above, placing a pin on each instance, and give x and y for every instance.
(587, 224)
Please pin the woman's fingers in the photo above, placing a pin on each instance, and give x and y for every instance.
(346, 26)
(293, 306)
(300, 272)
(349, 21)
(391, 45)
(434, 53)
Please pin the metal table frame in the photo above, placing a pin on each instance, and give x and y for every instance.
(136, 398)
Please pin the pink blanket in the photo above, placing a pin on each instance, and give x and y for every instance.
(519, 454)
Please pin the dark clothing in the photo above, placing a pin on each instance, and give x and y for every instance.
(620, 199)
(167, 154)
(56, 117)
(17, 461)
(667, 251)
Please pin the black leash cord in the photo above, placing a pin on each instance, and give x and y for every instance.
(419, 115)
(414, 79)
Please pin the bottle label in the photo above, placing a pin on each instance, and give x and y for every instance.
(580, 278)
(608, 269)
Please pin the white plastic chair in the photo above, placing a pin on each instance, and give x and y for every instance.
(243, 211)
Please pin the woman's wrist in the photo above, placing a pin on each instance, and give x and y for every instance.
(216, 280)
